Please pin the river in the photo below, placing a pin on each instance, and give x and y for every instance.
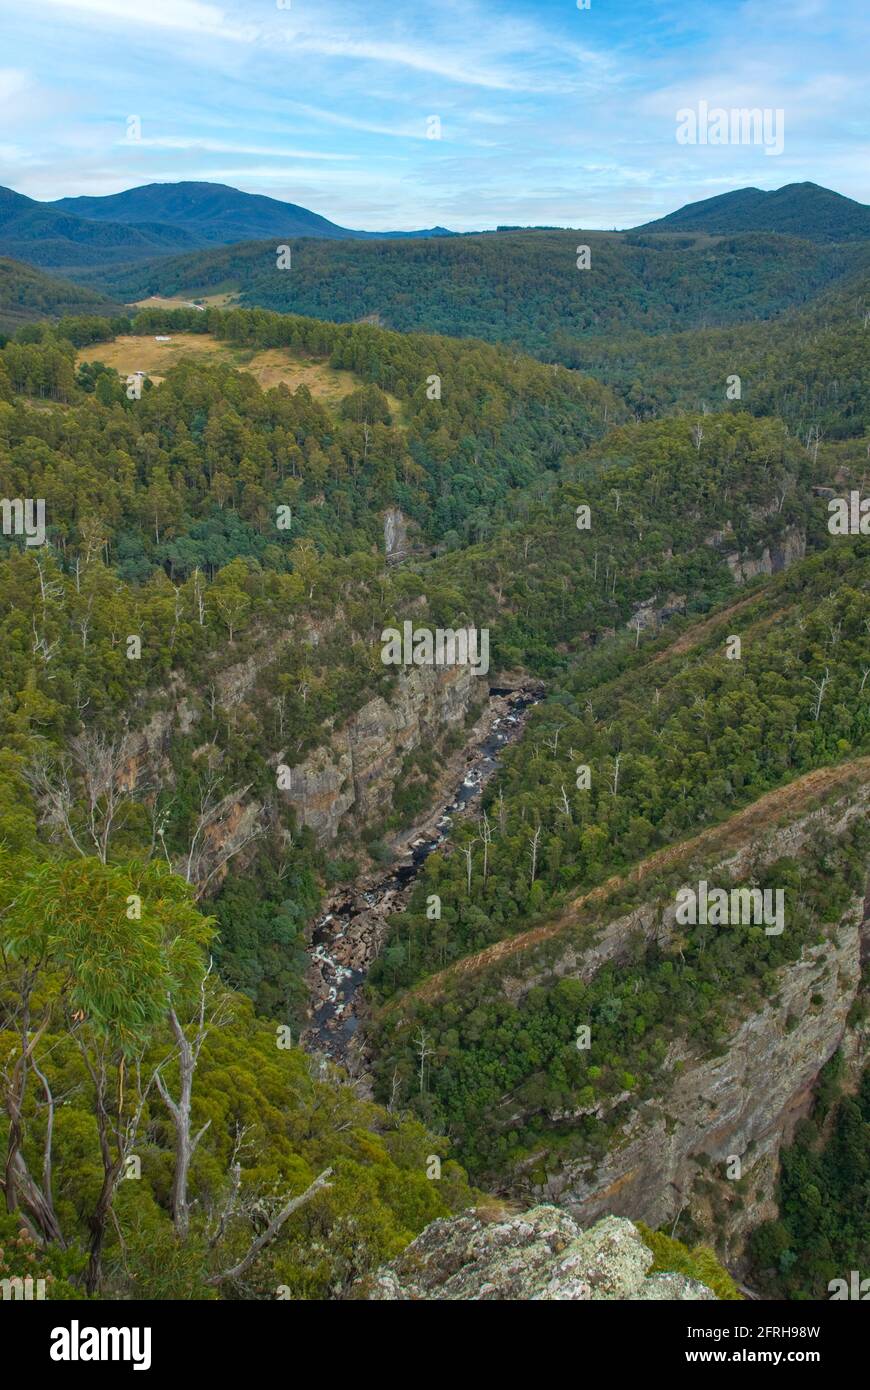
(351, 931)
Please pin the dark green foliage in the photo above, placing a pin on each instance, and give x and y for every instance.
(797, 209)
(823, 1231)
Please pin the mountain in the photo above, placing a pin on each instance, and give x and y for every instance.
(797, 209)
(216, 214)
(44, 236)
(27, 294)
(160, 219)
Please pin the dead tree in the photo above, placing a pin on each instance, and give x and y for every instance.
(534, 842)
(469, 861)
(486, 837)
(83, 794)
(273, 1229)
(819, 687)
(186, 1143)
(424, 1051)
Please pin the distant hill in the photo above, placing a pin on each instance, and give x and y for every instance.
(158, 219)
(27, 294)
(516, 287)
(57, 240)
(216, 214)
(798, 209)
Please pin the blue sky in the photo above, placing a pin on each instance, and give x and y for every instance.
(549, 113)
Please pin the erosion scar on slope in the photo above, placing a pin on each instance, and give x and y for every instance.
(758, 815)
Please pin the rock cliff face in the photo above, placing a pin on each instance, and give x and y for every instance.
(353, 773)
(356, 770)
(396, 543)
(673, 1152)
(540, 1255)
(742, 1105)
(792, 547)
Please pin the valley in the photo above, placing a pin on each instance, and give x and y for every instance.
(406, 944)
(350, 935)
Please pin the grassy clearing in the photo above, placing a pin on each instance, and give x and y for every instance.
(138, 353)
(182, 301)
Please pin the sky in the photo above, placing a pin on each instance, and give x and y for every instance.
(547, 113)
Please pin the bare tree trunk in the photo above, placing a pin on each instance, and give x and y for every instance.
(272, 1230)
(185, 1143)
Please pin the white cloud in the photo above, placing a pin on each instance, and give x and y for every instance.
(208, 146)
(188, 15)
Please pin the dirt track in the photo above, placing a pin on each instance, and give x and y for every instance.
(789, 800)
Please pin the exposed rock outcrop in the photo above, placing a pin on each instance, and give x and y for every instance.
(788, 551)
(542, 1254)
(357, 769)
(673, 1150)
(396, 543)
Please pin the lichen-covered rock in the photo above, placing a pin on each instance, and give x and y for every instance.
(541, 1254)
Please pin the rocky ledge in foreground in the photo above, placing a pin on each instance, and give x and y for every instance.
(540, 1254)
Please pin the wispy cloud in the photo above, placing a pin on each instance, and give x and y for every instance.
(189, 16)
(547, 113)
(194, 143)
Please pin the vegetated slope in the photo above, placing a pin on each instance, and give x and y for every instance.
(518, 287)
(797, 209)
(671, 749)
(678, 509)
(688, 737)
(214, 213)
(27, 295)
(708, 846)
(173, 499)
(811, 366)
(42, 236)
(501, 422)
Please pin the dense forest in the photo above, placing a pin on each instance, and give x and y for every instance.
(28, 295)
(524, 288)
(823, 1230)
(809, 367)
(208, 605)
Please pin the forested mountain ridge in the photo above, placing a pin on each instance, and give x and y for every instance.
(796, 209)
(42, 236)
(810, 366)
(516, 287)
(498, 422)
(73, 234)
(26, 295)
(213, 213)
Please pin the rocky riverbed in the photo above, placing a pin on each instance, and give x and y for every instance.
(354, 924)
